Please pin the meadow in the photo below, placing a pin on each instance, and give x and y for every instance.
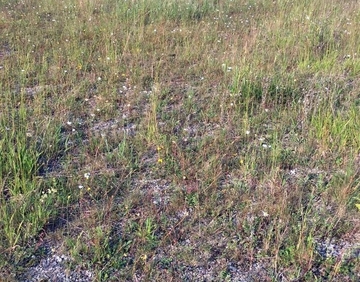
(163, 140)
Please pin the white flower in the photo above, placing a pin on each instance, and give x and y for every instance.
(87, 175)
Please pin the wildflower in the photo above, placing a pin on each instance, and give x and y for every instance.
(81, 187)
(144, 257)
(87, 175)
(43, 197)
(160, 161)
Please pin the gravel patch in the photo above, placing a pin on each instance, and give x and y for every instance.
(54, 269)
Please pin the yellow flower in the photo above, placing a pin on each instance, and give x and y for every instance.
(160, 161)
(144, 257)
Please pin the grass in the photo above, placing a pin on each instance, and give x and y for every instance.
(181, 140)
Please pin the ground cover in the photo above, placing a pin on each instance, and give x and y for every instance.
(210, 140)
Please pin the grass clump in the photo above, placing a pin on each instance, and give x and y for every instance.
(182, 140)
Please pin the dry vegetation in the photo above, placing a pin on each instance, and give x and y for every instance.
(210, 140)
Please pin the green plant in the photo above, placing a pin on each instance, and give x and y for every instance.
(146, 232)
